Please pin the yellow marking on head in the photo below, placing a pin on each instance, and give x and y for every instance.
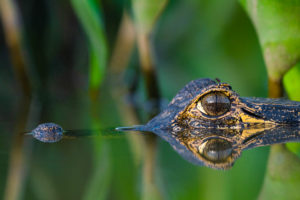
(249, 119)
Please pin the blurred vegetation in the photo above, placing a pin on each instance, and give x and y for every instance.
(90, 17)
(68, 45)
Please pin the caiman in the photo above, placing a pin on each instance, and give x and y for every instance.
(210, 124)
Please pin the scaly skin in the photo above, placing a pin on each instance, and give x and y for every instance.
(250, 122)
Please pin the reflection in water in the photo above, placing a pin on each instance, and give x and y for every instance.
(216, 150)
(51, 132)
(219, 148)
(211, 147)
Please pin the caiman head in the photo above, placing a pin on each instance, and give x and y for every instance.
(210, 124)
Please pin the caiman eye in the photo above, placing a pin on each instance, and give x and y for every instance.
(216, 150)
(214, 104)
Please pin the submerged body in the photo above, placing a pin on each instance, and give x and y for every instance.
(210, 124)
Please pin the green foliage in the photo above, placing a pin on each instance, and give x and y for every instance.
(294, 147)
(146, 13)
(291, 83)
(292, 86)
(89, 14)
(283, 175)
(278, 27)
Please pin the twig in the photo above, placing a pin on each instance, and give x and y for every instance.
(149, 73)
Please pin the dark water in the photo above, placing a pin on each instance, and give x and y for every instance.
(211, 147)
(93, 161)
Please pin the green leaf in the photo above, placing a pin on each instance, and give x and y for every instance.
(146, 13)
(294, 147)
(89, 14)
(291, 83)
(278, 27)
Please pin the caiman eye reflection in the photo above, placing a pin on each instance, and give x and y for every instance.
(216, 150)
(214, 104)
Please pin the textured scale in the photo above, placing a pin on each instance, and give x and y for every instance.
(248, 123)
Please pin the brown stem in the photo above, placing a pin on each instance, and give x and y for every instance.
(150, 190)
(275, 88)
(152, 89)
(121, 54)
(123, 47)
(18, 157)
(147, 66)
(13, 30)
(150, 155)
